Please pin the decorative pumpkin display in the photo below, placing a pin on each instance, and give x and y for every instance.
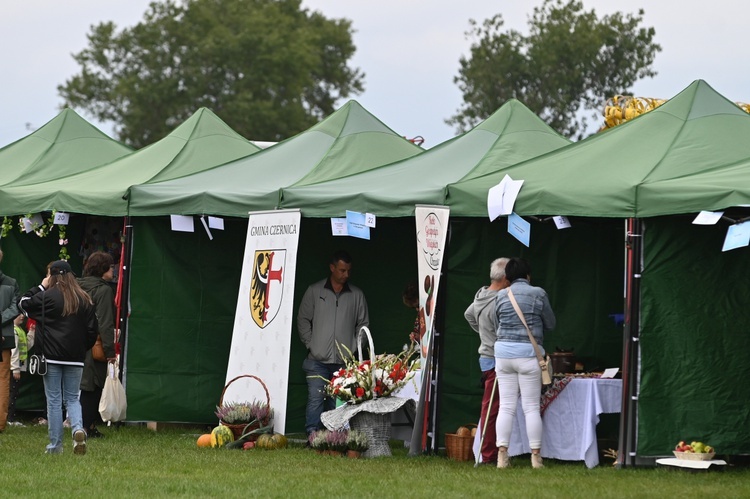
(463, 431)
(265, 441)
(279, 441)
(220, 436)
(204, 440)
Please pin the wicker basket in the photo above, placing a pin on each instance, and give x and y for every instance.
(240, 429)
(693, 456)
(459, 448)
(377, 427)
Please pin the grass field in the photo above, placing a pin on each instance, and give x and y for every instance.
(133, 461)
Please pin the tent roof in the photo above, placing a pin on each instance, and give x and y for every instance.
(511, 135)
(660, 163)
(201, 142)
(351, 140)
(65, 145)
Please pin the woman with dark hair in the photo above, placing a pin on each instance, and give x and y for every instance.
(97, 273)
(516, 364)
(66, 330)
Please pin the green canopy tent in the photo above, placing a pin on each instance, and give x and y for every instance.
(55, 151)
(349, 141)
(202, 141)
(511, 135)
(184, 296)
(684, 156)
(63, 146)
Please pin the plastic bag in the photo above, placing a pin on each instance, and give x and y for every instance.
(113, 404)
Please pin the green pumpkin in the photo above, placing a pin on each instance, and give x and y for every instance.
(220, 436)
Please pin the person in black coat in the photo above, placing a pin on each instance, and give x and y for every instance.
(97, 274)
(66, 330)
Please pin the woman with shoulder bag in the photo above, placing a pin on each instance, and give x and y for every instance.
(97, 273)
(516, 362)
(66, 330)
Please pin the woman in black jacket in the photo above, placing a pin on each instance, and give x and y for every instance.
(97, 272)
(66, 330)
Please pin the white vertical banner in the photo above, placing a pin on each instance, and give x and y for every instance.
(432, 226)
(261, 338)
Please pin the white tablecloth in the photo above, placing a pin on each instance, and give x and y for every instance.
(570, 421)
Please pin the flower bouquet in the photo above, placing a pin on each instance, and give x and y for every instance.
(359, 381)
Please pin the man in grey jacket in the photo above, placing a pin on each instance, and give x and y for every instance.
(481, 317)
(331, 313)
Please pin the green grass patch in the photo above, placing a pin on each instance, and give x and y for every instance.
(133, 461)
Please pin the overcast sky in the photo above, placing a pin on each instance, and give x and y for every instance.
(408, 49)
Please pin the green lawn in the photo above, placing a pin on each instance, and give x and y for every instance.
(133, 461)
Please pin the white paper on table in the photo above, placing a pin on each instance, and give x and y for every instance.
(610, 373)
(338, 227)
(562, 222)
(182, 223)
(708, 217)
(738, 236)
(216, 223)
(502, 197)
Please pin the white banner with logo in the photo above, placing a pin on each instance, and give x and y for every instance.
(261, 338)
(432, 226)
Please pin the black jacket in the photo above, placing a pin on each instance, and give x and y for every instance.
(64, 339)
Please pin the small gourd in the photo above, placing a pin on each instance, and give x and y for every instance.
(220, 436)
(265, 442)
(204, 440)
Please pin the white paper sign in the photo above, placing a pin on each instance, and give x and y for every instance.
(611, 372)
(370, 220)
(216, 223)
(708, 217)
(738, 236)
(61, 218)
(30, 223)
(502, 197)
(562, 222)
(182, 223)
(338, 227)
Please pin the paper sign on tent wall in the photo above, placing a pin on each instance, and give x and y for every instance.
(338, 227)
(182, 223)
(356, 225)
(502, 197)
(737, 236)
(519, 228)
(708, 217)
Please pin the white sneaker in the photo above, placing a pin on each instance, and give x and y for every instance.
(79, 442)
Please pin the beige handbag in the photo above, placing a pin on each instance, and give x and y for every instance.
(544, 363)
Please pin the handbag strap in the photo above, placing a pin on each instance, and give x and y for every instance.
(523, 319)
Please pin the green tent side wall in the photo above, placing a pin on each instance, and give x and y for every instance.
(581, 268)
(179, 336)
(177, 372)
(696, 332)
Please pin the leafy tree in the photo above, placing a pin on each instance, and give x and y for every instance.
(570, 61)
(268, 68)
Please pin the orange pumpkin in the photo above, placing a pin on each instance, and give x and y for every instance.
(204, 440)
